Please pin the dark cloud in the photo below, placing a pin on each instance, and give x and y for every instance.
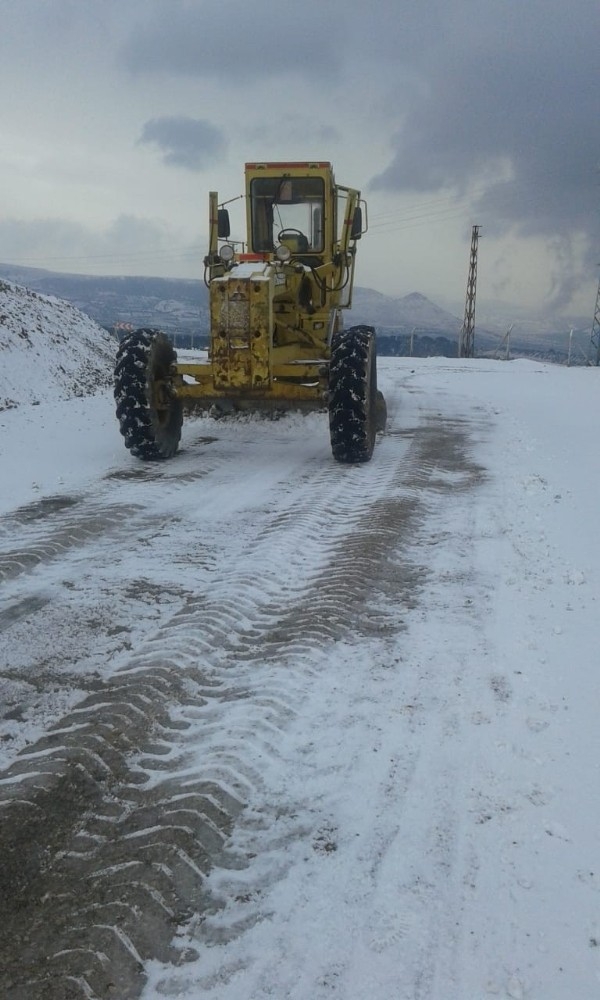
(507, 113)
(234, 41)
(489, 106)
(185, 142)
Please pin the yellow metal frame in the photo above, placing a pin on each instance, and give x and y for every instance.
(271, 320)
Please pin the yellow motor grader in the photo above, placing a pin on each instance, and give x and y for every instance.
(276, 336)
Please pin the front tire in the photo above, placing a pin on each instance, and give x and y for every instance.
(353, 417)
(149, 414)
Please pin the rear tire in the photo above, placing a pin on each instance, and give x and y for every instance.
(150, 416)
(353, 418)
(380, 412)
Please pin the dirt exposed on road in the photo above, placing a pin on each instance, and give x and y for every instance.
(110, 821)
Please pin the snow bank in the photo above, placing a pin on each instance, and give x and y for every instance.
(48, 349)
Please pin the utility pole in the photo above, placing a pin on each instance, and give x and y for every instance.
(595, 339)
(466, 342)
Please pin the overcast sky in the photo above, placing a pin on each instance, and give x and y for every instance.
(118, 117)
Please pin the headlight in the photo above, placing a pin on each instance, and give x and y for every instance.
(283, 253)
(226, 253)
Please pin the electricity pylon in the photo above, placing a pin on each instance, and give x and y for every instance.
(595, 338)
(466, 341)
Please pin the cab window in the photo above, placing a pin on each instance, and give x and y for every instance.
(288, 205)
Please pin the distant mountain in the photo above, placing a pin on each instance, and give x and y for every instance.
(181, 305)
(402, 315)
(175, 306)
(180, 308)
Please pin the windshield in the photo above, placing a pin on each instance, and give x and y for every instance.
(292, 206)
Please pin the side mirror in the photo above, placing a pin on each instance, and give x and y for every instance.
(223, 226)
(356, 232)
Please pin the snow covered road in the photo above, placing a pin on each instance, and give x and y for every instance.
(280, 728)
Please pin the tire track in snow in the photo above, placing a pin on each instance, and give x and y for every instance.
(97, 763)
(45, 546)
(192, 718)
(55, 525)
(416, 906)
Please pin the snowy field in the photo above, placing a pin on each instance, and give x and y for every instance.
(400, 683)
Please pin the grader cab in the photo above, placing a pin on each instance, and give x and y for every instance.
(276, 336)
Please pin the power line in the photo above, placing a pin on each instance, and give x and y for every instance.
(411, 215)
(421, 209)
(418, 207)
(132, 255)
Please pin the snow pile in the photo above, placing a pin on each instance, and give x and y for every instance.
(48, 349)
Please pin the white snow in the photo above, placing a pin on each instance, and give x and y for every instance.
(421, 776)
(48, 349)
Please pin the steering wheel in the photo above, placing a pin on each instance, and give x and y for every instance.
(281, 235)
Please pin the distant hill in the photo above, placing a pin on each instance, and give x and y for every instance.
(402, 315)
(181, 303)
(48, 349)
(175, 306)
(180, 308)
(411, 324)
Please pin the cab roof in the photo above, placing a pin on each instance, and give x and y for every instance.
(290, 164)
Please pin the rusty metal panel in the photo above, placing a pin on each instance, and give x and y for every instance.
(241, 331)
(261, 328)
